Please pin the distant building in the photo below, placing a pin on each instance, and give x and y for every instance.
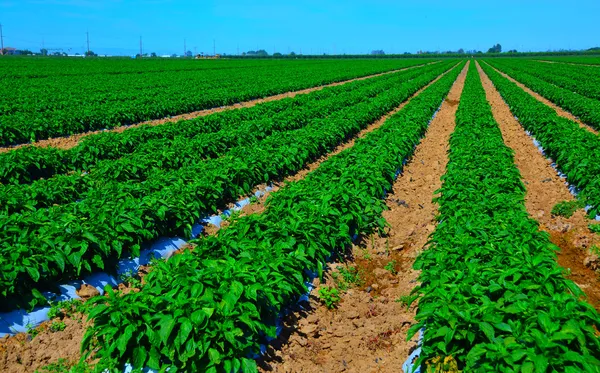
(11, 51)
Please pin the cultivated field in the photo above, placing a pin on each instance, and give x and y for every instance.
(300, 216)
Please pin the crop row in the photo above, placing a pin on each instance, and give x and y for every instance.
(492, 295)
(578, 79)
(47, 245)
(210, 308)
(27, 164)
(586, 109)
(575, 150)
(63, 105)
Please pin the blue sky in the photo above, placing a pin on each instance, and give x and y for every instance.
(314, 26)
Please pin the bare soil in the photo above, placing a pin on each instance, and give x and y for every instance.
(558, 109)
(24, 354)
(544, 190)
(367, 332)
(72, 141)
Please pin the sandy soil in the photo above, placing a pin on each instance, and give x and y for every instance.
(544, 190)
(367, 332)
(24, 354)
(558, 109)
(71, 141)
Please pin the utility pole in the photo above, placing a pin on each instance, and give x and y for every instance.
(1, 41)
(184, 48)
(140, 46)
(214, 47)
(87, 34)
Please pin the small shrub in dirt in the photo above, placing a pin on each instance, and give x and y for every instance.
(346, 277)
(65, 366)
(330, 297)
(57, 326)
(406, 300)
(567, 208)
(391, 267)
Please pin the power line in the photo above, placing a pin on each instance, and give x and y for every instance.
(1, 41)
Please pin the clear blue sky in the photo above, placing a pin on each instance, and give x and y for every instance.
(315, 26)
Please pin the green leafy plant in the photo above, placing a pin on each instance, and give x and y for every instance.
(595, 228)
(66, 366)
(57, 326)
(407, 300)
(567, 208)
(346, 277)
(330, 297)
(391, 267)
(132, 279)
(67, 308)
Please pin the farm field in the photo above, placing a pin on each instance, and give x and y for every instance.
(95, 95)
(435, 213)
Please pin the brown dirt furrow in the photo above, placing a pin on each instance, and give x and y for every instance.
(367, 332)
(544, 190)
(558, 109)
(568, 63)
(259, 205)
(72, 141)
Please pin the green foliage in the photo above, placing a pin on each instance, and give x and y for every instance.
(595, 228)
(159, 192)
(67, 308)
(132, 279)
(66, 366)
(121, 92)
(492, 296)
(208, 309)
(567, 208)
(57, 326)
(330, 297)
(346, 277)
(391, 267)
(407, 300)
(575, 150)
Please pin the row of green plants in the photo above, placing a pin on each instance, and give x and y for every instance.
(575, 150)
(193, 141)
(161, 155)
(585, 108)
(209, 309)
(29, 163)
(584, 80)
(55, 106)
(48, 245)
(492, 297)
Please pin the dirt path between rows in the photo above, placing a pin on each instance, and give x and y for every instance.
(72, 141)
(21, 354)
(544, 190)
(259, 206)
(558, 109)
(567, 63)
(367, 332)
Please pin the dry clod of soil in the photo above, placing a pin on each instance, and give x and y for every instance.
(87, 291)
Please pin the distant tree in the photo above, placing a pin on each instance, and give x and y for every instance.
(512, 51)
(495, 49)
(64, 54)
(56, 54)
(188, 54)
(152, 54)
(407, 53)
(260, 53)
(292, 53)
(174, 55)
(277, 54)
(243, 53)
(90, 54)
(378, 52)
(461, 51)
(44, 52)
(26, 52)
